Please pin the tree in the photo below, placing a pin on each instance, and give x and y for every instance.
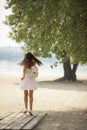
(51, 26)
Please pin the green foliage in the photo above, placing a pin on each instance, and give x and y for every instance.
(45, 26)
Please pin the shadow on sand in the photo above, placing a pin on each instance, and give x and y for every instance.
(64, 85)
(74, 119)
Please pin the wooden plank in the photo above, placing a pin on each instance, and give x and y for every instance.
(9, 120)
(19, 120)
(5, 115)
(18, 124)
(34, 122)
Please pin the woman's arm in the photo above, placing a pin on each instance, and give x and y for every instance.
(24, 71)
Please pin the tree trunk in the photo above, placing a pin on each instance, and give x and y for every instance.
(67, 71)
(74, 69)
(70, 73)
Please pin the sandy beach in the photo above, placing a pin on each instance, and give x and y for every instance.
(64, 102)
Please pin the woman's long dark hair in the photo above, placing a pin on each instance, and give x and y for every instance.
(30, 60)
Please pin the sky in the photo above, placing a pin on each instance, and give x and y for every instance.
(4, 29)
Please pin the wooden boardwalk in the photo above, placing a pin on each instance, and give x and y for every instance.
(19, 120)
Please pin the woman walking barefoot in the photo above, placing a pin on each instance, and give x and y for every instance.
(28, 83)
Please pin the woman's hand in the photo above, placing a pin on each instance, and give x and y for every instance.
(22, 78)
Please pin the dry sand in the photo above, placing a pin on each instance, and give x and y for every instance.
(64, 102)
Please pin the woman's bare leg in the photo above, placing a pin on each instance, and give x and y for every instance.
(26, 99)
(31, 99)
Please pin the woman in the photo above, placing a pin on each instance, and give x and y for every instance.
(28, 82)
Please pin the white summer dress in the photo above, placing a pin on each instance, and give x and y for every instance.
(29, 83)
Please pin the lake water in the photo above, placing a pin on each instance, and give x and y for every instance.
(12, 68)
(11, 56)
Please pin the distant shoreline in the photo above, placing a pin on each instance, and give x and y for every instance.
(40, 78)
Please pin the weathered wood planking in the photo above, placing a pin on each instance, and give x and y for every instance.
(7, 120)
(34, 122)
(19, 120)
(5, 115)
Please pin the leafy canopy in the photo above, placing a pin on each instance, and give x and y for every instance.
(50, 26)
